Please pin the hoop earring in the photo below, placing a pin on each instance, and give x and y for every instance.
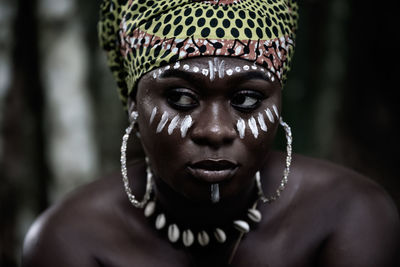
(286, 171)
(124, 171)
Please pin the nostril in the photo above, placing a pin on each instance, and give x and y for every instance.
(213, 135)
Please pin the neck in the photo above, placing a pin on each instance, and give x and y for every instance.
(187, 212)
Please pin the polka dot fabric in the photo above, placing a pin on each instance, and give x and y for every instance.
(141, 35)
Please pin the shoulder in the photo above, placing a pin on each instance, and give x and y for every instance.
(363, 220)
(65, 233)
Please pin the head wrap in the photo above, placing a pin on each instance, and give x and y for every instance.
(141, 35)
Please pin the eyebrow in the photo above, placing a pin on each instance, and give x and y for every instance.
(188, 75)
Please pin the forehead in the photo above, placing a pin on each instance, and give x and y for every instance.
(213, 68)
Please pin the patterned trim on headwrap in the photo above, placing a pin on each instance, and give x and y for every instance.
(142, 35)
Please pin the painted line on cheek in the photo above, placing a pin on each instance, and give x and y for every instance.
(153, 114)
(276, 111)
(241, 127)
(261, 121)
(270, 116)
(253, 126)
(187, 122)
(163, 122)
(173, 124)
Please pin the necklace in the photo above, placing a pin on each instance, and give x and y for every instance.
(188, 237)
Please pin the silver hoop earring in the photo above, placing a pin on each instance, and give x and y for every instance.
(124, 171)
(286, 171)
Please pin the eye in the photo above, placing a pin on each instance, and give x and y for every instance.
(246, 100)
(182, 99)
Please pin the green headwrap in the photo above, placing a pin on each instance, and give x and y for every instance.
(141, 35)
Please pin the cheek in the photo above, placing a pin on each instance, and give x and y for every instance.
(163, 135)
(258, 125)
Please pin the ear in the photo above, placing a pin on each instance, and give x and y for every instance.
(131, 108)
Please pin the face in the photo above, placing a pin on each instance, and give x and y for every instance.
(207, 121)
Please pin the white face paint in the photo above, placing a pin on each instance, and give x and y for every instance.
(153, 114)
(229, 72)
(276, 111)
(253, 127)
(252, 123)
(261, 121)
(176, 121)
(269, 115)
(216, 67)
(163, 122)
(187, 122)
(241, 127)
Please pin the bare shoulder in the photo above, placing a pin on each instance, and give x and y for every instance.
(363, 219)
(65, 234)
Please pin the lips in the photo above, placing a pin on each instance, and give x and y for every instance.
(213, 170)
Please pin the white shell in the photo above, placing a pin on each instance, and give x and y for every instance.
(220, 235)
(203, 238)
(149, 209)
(187, 238)
(241, 226)
(160, 221)
(254, 215)
(173, 233)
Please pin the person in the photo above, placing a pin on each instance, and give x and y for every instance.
(202, 84)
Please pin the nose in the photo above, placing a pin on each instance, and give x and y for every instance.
(214, 127)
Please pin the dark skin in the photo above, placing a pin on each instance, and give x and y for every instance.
(326, 216)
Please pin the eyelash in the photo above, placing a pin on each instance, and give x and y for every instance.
(255, 95)
(179, 93)
(175, 95)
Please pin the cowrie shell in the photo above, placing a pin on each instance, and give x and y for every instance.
(149, 209)
(220, 235)
(173, 233)
(241, 226)
(254, 215)
(203, 238)
(187, 238)
(160, 221)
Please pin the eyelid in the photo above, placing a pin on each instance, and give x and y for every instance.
(183, 92)
(250, 92)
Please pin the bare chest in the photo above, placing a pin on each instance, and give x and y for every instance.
(280, 248)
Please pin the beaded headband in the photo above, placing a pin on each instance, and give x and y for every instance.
(141, 35)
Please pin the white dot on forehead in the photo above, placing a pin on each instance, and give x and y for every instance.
(186, 67)
(237, 69)
(246, 67)
(177, 65)
(254, 67)
(229, 72)
(204, 72)
(196, 69)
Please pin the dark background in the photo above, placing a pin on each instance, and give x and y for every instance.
(339, 100)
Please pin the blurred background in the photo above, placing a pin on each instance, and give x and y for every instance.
(61, 120)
